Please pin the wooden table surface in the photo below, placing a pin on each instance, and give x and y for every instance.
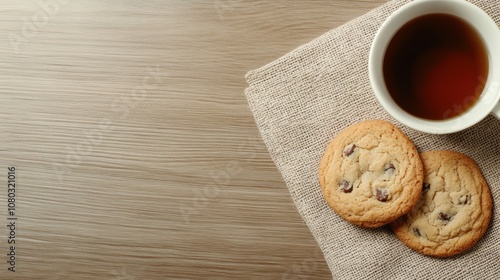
(136, 154)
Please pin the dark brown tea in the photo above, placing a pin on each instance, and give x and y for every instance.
(436, 67)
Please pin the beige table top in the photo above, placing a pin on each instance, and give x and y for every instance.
(136, 155)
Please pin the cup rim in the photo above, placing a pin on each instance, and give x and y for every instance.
(479, 20)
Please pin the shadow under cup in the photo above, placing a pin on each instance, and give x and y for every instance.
(434, 65)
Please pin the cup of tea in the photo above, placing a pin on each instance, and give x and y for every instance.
(434, 65)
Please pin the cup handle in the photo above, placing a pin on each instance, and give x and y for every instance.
(496, 111)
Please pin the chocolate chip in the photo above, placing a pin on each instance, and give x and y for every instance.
(349, 150)
(382, 195)
(464, 199)
(426, 187)
(444, 217)
(389, 167)
(345, 186)
(417, 232)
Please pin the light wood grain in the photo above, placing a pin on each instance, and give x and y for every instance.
(171, 182)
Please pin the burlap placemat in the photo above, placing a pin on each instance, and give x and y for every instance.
(302, 100)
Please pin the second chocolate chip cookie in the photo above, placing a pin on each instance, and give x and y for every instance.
(454, 211)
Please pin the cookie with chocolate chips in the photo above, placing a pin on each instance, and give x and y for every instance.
(454, 210)
(371, 174)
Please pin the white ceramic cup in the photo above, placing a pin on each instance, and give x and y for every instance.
(488, 102)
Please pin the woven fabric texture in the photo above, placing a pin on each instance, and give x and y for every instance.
(303, 99)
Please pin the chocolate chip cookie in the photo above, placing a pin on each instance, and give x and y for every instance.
(371, 174)
(454, 210)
